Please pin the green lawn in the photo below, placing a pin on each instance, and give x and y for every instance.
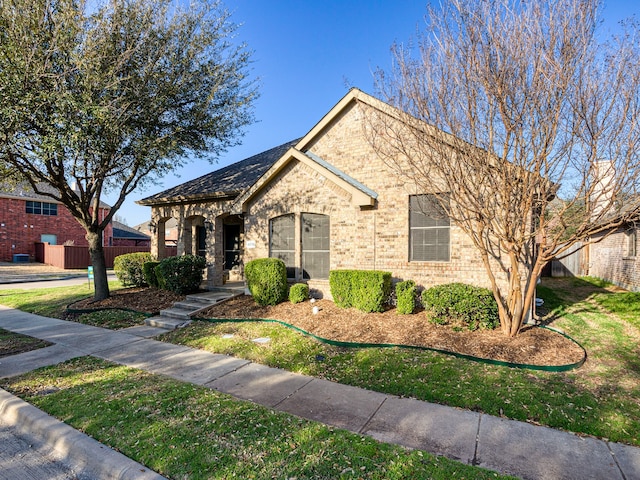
(185, 431)
(599, 399)
(13, 343)
(48, 302)
(52, 302)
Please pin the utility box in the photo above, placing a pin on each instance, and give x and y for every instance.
(20, 258)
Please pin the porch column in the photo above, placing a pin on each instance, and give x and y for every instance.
(184, 236)
(159, 251)
(215, 254)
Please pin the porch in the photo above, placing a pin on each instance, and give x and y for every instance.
(219, 239)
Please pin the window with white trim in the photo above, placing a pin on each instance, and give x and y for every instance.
(429, 229)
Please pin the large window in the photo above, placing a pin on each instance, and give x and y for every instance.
(42, 208)
(282, 241)
(311, 260)
(315, 245)
(429, 236)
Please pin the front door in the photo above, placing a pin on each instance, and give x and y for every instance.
(231, 246)
(201, 233)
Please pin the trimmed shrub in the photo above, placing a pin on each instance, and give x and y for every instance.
(366, 290)
(298, 293)
(267, 280)
(159, 278)
(149, 272)
(181, 274)
(405, 297)
(475, 307)
(128, 268)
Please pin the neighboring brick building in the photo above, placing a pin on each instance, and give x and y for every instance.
(323, 202)
(27, 218)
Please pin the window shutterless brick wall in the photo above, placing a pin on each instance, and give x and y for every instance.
(363, 238)
(19, 231)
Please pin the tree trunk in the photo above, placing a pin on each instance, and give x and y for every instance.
(96, 254)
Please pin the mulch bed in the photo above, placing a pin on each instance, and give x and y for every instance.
(533, 346)
(140, 299)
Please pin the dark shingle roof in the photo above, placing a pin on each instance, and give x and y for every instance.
(225, 182)
(120, 230)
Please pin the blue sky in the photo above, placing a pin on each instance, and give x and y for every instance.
(307, 54)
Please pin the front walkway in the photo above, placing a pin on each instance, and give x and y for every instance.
(506, 446)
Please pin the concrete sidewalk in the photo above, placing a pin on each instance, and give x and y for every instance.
(506, 446)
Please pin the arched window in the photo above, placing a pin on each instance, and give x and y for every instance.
(311, 259)
(282, 241)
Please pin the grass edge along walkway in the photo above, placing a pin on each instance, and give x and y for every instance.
(186, 431)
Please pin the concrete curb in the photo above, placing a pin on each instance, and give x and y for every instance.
(76, 449)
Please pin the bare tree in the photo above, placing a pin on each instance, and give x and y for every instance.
(528, 126)
(100, 98)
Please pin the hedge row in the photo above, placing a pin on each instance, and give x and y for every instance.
(366, 290)
(181, 274)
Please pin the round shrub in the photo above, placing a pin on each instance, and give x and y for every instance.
(149, 272)
(267, 280)
(128, 268)
(181, 274)
(405, 297)
(475, 307)
(298, 293)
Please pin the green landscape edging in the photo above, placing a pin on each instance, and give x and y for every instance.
(488, 361)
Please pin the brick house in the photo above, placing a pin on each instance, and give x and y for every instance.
(614, 258)
(322, 202)
(27, 218)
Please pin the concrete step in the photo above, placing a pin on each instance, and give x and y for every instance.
(211, 297)
(191, 305)
(166, 323)
(180, 313)
(176, 313)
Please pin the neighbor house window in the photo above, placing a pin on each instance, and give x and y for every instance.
(282, 241)
(42, 208)
(632, 242)
(315, 245)
(429, 229)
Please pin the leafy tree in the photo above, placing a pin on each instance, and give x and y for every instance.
(507, 105)
(107, 98)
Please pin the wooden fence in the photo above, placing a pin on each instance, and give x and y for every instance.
(571, 265)
(76, 257)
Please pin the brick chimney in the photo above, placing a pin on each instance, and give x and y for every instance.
(602, 192)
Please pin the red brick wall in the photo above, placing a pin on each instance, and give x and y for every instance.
(19, 231)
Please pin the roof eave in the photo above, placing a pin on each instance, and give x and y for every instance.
(181, 199)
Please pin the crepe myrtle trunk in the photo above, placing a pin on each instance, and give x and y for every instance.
(96, 253)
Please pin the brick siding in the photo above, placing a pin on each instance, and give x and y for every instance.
(20, 231)
(362, 238)
(609, 260)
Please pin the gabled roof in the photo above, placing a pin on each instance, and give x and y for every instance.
(120, 230)
(227, 182)
(352, 96)
(361, 195)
